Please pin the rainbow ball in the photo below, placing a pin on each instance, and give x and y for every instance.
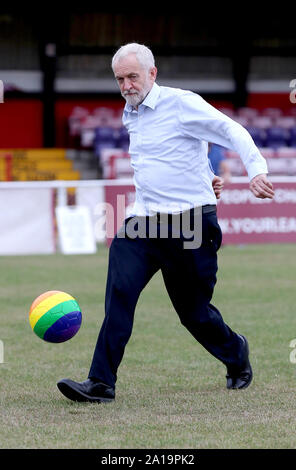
(55, 316)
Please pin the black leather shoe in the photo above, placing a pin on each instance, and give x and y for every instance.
(238, 379)
(88, 391)
(229, 380)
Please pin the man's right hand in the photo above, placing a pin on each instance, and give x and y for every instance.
(218, 184)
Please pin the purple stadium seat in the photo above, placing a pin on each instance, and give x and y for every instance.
(248, 113)
(104, 138)
(292, 137)
(262, 122)
(277, 137)
(286, 122)
(242, 120)
(273, 113)
(123, 139)
(104, 116)
(258, 135)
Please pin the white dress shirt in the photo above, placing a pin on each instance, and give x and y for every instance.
(169, 135)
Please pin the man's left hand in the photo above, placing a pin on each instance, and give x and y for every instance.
(261, 187)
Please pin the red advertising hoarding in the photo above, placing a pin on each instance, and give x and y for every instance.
(246, 219)
(243, 218)
(118, 198)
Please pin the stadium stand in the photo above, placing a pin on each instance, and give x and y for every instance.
(36, 164)
(70, 112)
(273, 132)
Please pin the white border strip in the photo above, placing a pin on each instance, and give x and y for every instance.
(269, 86)
(118, 182)
(31, 81)
(23, 80)
(108, 85)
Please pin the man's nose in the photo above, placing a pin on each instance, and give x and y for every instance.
(127, 84)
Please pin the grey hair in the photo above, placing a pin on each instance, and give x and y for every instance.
(143, 54)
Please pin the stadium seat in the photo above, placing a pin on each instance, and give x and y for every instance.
(286, 122)
(262, 122)
(75, 121)
(87, 137)
(122, 139)
(120, 166)
(54, 165)
(39, 164)
(115, 163)
(258, 135)
(268, 152)
(277, 137)
(76, 118)
(104, 116)
(67, 175)
(105, 137)
(286, 152)
(242, 120)
(292, 137)
(272, 113)
(87, 132)
(281, 166)
(51, 153)
(248, 113)
(79, 112)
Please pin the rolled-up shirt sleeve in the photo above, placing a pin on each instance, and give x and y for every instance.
(200, 120)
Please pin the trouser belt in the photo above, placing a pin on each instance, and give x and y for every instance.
(207, 209)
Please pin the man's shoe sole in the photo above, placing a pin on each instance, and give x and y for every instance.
(251, 376)
(79, 396)
(233, 387)
(246, 384)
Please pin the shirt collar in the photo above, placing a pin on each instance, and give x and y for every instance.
(150, 99)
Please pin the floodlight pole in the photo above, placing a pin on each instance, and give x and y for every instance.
(49, 72)
(48, 34)
(241, 57)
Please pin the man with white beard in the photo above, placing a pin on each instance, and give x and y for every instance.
(169, 132)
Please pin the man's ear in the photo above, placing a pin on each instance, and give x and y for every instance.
(153, 73)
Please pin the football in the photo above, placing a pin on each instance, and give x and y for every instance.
(55, 316)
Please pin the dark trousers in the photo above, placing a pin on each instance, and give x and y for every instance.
(189, 277)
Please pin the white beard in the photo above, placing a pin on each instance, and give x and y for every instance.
(137, 97)
(133, 99)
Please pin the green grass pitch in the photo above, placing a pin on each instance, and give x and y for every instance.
(170, 392)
